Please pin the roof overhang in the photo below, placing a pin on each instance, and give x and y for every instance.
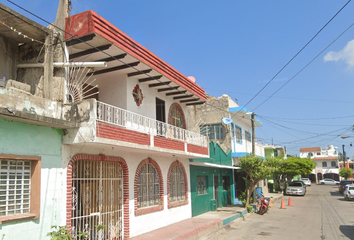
(205, 164)
(21, 26)
(92, 38)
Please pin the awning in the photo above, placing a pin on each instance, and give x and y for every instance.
(204, 164)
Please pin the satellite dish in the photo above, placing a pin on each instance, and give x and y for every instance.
(226, 120)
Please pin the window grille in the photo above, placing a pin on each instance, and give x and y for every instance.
(15, 187)
(238, 131)
(148, 186)
(177, 190)
(324, 164)
(202, 185)
(213, 131)
(247, 136)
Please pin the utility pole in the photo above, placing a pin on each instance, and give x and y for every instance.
(253, 135)
(344, 157)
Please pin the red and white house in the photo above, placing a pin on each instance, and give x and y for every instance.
(327, 163)
(128, 162)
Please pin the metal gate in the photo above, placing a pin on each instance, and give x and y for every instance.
(97, 200)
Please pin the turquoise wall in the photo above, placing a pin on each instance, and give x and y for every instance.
(204, 203)
(217, 155)
(25, 139)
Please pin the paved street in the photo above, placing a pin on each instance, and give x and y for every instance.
(321, 214)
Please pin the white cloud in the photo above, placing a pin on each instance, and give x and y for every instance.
(346, 55)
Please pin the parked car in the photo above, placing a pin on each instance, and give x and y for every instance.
(307, 181)
(349, 192)
(296, 188)
(343, 183)
(328, 181)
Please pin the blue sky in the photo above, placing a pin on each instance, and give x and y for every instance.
(236, 47)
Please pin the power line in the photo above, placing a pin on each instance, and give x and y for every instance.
(295, 57)
(308, 119)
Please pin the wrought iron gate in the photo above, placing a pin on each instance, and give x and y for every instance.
(97, 197)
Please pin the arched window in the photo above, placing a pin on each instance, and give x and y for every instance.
(177, 185)
(148, 186)
(176, 116)
(333, 164)
(177, 189)
(324, 164)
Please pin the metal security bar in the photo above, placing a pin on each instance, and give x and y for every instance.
(123, 118)
(15, 187)
(97, 200)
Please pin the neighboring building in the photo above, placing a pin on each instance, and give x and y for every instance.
(274, 151)
(235, 135)
(327, 162)
(101, 145)
(212, 181)
(32, 196)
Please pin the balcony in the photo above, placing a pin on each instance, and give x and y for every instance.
(114, 126)
(119, 117)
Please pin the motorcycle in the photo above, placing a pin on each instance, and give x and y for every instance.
(263, 204)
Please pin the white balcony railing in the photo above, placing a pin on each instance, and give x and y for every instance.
(129, 120)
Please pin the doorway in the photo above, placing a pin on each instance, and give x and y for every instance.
(216, 191)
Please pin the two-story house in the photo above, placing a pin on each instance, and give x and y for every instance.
(327, 162)
(94, 130)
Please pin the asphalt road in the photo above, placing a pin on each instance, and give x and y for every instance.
(321, 214)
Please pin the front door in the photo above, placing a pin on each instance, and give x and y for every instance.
(216, 191)
(97, 192)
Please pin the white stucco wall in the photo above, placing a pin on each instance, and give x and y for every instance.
(147, 222)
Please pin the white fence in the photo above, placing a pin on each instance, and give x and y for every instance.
(129, 120)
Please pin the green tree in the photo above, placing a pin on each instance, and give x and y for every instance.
(256, 169)
(345, 172)
(293, 166)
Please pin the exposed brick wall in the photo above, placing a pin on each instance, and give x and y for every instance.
(168, 143)
(197, 149)
(105, 130)
(101, 157)
(185, 201)
(151, 209)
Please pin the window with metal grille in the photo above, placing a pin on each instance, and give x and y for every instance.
(247, 136)
(202, 185)
(324, 164)
(148, 186)
(333, 164)
(177, 190)
(15, 187)
(238, 132)
(176, 118)
(213, 131)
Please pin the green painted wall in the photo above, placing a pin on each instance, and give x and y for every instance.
(217, 155)
(25, 139)
(204, 203)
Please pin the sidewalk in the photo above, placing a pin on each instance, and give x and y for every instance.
(201, 225)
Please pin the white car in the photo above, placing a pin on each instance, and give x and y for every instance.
(328, 181)
(306, 181)
(349, 192)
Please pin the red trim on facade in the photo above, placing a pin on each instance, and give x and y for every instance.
(100, 157)
(168, 143)
(90, 22)
(197, 149)
(185, 201)
(151, 209)
(180, 110)
(105, 130)
(310, 149)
